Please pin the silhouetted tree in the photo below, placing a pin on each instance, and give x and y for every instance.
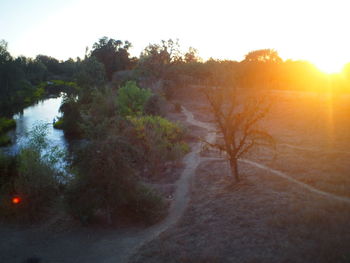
(156, 59)
(52, 64)
(237, 118)
(113, 54)
(191, 55)
(263, 55)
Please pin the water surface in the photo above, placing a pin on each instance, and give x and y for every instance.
(45, 111)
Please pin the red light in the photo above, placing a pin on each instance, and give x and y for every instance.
(16, 200)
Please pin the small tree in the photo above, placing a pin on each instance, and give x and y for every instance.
(237, 118)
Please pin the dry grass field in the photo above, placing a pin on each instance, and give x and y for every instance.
(266, 218)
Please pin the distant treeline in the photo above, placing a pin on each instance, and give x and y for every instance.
(262, 69)
(20, 77)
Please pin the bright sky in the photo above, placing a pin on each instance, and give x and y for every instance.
(317, 31)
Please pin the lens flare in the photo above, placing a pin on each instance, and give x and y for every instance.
(16, 200)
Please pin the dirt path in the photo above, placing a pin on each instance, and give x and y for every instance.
(301, 184)
(115, 245)
(310, 149)
(209, 127)
(103, 245)
(124, 246)
(181, 196)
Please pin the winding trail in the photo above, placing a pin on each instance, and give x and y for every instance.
(109, 246)
(310, 149)
(116, 246)
(301, 184)
(178, 205)
(181, 196)
(283, 175)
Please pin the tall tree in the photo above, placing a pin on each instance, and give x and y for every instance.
(113, 54)
(91, 76)
(263, 55)
(191, 55)
(156, 59)
(52, 64)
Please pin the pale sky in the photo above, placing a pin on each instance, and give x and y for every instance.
(317, 31)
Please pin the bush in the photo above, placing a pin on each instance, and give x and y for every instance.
(36, 184)
(33, 176)
(7, 124)
(131, 99)
(58, 86)
(177, 107)
(145, 205)
(71, 119)
(8, 173)
(5, 140)
(106, 185)
(58, 124)
(153, 105)
(169, 89)
(159, 140)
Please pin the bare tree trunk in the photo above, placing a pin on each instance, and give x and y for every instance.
(234, 169)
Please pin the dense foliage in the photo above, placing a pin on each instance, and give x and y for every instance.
(158, 140)
(106, 184)
(131, 99)
(34, 175)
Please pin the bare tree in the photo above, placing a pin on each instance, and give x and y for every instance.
(237, 118)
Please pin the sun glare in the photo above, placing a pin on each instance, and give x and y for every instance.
(329, 66)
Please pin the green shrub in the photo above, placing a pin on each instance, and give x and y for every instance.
(153, 105)
(8, 174)
(57, 86)
(106, 185)
(131, 99)
(59, 124)
(145, 205)
(7, 124)
(5, 140)
(35, 178)
(159, 140)
(39, 93)
(71, 119)
(168, 89)
(36, 184)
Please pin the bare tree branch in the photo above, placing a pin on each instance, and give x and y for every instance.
(237, 118)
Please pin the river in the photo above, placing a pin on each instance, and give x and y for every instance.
(42, 112)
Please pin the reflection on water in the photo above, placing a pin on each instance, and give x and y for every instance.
(45, 111)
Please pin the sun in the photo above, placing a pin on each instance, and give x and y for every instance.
(329, 66)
